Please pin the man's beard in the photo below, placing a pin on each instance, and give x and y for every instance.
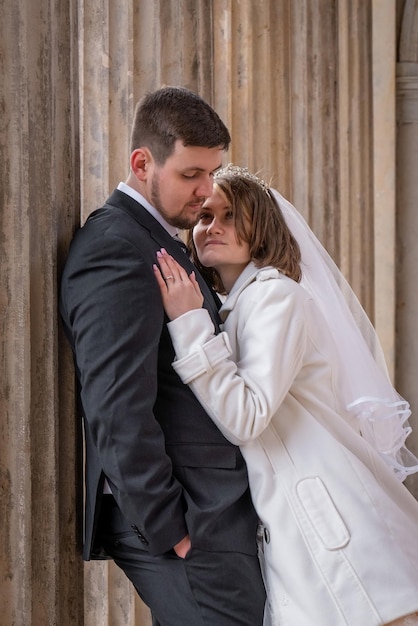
(181, 222)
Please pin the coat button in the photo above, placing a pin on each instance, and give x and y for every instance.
(266, 535)
(138, 533)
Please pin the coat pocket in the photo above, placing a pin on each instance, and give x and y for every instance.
(322, 513)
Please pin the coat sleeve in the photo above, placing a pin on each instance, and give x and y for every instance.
(242, 397)
(114, 317)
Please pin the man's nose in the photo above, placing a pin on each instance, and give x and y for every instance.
(205, 187)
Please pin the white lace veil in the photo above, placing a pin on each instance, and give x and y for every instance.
(369, 401)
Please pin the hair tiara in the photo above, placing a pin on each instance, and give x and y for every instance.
(241, 172)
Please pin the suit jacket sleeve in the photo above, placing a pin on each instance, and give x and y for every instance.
(111, 302)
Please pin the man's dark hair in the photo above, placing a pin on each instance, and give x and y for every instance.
(171, 113)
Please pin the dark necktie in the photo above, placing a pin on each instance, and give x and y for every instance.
(182, 245)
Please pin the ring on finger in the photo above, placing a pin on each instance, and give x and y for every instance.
(169, 277)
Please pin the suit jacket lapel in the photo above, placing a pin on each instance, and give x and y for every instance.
(163, 239)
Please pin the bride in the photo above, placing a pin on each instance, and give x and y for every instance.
(298, 381)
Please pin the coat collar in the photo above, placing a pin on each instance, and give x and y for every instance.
(247, 276)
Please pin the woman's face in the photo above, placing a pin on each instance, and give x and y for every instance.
(216, 242)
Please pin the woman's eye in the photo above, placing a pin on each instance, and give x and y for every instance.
(205, 217)
(229, 215)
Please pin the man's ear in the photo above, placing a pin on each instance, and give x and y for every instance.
(141, 159)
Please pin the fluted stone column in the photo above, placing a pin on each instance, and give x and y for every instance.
(407, 218)
(383, 172)
(40, 573)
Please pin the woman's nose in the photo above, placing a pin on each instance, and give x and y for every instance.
(214, 226)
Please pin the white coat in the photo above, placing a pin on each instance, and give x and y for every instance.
(340, 532)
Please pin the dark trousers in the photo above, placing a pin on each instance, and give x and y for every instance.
(204, 589)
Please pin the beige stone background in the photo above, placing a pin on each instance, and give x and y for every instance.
(321, 96)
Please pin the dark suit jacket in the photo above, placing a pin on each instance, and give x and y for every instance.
(170, 469)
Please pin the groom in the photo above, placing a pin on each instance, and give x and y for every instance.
(167, 495)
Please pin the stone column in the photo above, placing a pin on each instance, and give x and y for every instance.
(407, 219)
(40, 574)
(384, 173)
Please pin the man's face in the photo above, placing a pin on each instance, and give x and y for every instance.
(179, 188)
